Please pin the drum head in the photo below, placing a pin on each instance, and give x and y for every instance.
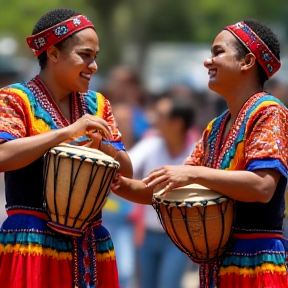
(78, 152)
(189, 193)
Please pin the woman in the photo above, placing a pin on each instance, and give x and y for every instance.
(55, 106)
(242, 154)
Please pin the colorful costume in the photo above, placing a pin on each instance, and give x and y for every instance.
(257, 254)
(31, 254)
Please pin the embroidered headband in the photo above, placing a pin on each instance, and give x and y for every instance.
(49, 37)
(252, 41)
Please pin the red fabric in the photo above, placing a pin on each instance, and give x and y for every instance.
(49, 37)
(32, 271)
(253, 42)
(40, 272)
(264, 280)
(256, 235)
(28, 212)
(102, 280)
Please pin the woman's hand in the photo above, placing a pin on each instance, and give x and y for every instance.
(170, 177)
(96, 138)
(116, 182)
(87, 124)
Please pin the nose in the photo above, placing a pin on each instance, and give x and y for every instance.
(208, 62)
(93, 66)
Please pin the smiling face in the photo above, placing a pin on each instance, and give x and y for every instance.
(224, 67)
(76, 63)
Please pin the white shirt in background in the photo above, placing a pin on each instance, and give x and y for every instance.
(146, 155)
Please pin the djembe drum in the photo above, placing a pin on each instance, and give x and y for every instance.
(77, 184)
(198, 220)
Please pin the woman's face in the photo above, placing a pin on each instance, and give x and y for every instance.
(223, 65)
(76, 61)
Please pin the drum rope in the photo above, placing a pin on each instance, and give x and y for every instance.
(71, 187)
(89, 184)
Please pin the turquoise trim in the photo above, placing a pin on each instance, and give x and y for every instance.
(38, 238)
(104, 246)
(254, 261)
(91, 102)
(37, 109)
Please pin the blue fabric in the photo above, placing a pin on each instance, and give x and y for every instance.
(268, 163)
(6, 136)
(255, 252)
(28, 229)
(91, 102)
(117, 145)
(99, 236)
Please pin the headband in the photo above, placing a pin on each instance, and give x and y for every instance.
(255, 45)
(49, 37)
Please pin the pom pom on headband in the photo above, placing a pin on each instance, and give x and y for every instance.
(255, 45)
(49, 37)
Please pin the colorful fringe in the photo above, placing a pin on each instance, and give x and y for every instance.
(93, 257)
(251, 263)
(33, 256)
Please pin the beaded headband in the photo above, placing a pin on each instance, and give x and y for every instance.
(255, 45)
(49, 37)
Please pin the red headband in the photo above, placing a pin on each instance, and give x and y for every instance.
(250, 39)
(49, 37)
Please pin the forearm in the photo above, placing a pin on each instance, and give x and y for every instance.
(135, 191)
(21, 152)
(243, 186)
(121, 156)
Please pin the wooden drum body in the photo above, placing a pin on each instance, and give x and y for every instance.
(199, 221)
(77, 184)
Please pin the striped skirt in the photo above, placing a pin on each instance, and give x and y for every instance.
(32, 255)
(253, 261)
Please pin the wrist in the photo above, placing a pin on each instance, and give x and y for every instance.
(108, 149)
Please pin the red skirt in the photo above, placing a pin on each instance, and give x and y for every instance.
(34, 256)
(254, 260)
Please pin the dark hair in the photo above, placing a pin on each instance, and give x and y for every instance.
(268, 37)
(182, 108)
(48, 20)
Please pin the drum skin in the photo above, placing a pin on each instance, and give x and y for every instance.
(199, 221)
(77, 184)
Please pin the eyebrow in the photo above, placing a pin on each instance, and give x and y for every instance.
(90, 50)
(215, 48)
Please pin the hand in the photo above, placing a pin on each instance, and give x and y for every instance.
(170, 177)
(116, 182)
(96, 138)
(88, 123)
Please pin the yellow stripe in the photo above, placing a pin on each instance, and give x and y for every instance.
(38, 125)
(105, 256)
(265, 268)
(33, 249)
(100, 105)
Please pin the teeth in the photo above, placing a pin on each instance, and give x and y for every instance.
(87, 76)
(212, 72)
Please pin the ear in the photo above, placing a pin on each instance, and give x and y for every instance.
(52, 54)
(248, 62)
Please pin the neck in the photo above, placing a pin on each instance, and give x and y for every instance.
(58, 94)
(237, 98)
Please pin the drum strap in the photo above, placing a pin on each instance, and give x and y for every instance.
(84, 256)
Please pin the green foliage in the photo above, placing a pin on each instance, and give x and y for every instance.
(122, 22)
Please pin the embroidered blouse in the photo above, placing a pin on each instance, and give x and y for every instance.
(28, 109)
(257, 140)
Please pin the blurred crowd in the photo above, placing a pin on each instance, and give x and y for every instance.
(157, 129)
